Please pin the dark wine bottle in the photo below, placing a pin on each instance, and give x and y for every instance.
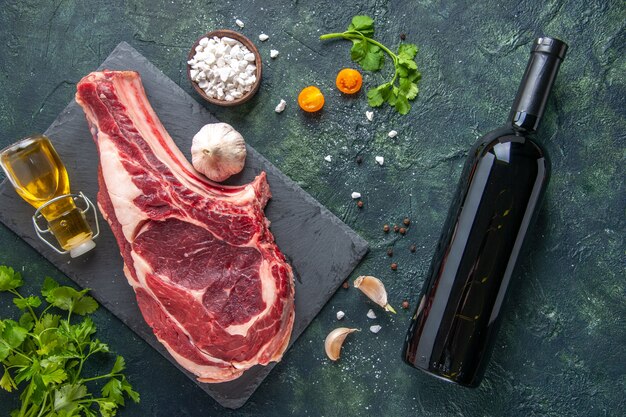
(453, 329)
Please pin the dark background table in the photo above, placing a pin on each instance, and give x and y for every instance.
(561, 350)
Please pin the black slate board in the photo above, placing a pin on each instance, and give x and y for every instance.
(322, 250)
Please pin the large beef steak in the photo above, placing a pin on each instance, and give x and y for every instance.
(208, 276)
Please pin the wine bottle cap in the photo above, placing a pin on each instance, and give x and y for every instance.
(546, 56)
(550, 46)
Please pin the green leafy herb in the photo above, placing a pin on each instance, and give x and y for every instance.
(43, 354)
(9, 279)
(370, 55)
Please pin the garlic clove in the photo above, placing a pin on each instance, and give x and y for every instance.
(375, 290)
(335, 340)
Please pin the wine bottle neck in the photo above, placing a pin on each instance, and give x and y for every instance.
(545, 58)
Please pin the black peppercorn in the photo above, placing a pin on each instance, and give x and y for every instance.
(413, 248)
(389, 252)
(359, 159)
(386, 228)
(402, 230)
(345, 285)
(405, 304)
(359, 204)
(396, 228)
(394, 266)
(402, 36)
(406, 221)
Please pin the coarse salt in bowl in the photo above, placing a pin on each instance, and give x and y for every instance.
(224, 67)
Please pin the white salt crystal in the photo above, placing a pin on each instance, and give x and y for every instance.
(224, 74)
(356, 195)
(328, 158)
(239, 23)
(380, 160)
(369, 115)
(375, 329)
(371, 314)
(281, 106)
(392, 134)
(263, 37)
(273, 53)
(340, 315)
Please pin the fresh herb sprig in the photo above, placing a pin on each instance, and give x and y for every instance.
(44, 354)
(370, 54)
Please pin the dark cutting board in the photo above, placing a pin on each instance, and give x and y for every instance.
(322, 250)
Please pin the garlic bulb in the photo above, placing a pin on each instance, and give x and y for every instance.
(218, 151)
(335, 340)
(375, 290)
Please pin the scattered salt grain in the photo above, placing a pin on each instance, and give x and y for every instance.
(328, 158)
(369, 115)
(371, 314)
(392, 134)
(280, 106)
(375, 329)
(263, 37)
(356, 195)
(340, 315)
(273, 53)
(380, 160)
(239, 23)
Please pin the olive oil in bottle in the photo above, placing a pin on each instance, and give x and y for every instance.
(38, 175)
(454, 326)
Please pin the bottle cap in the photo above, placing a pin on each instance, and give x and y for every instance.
(82, 248)
(551, 46)
(546, 56)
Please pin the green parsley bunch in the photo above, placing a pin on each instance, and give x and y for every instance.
(44, 354)
(370, 54)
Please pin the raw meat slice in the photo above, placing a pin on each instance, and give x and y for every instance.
(208, 277)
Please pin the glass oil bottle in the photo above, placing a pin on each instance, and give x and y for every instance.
(40, 178)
